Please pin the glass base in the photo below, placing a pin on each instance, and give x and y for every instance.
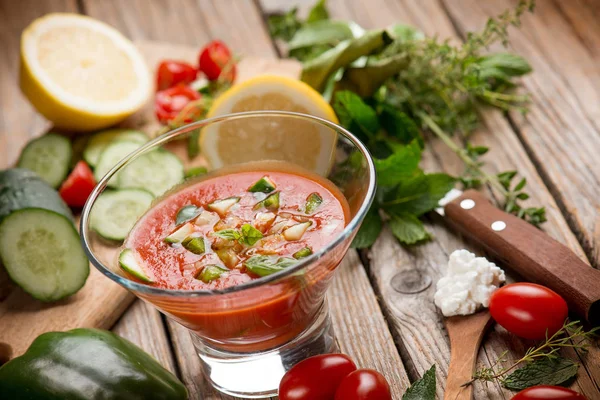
(257, 375)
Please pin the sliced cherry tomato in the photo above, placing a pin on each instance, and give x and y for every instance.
(316, 378)
(548, 393)
(170, 102)
(171, 73)
(215, 58)
(364, 384)
(528, 310)
(78, 186)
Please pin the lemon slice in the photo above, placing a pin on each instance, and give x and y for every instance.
(302, 142)
(80, 73)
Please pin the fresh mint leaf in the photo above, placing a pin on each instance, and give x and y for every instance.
(422, 389)
(284, 26)
(543, 371)
(369, 230)
(229, 234)
(250, 235)
(187, 213)
(267, 265)
(318, 12)
(407, 228)
(419, 194)
(356, 115)
(317, 71)
(399, 126)
(403, 164)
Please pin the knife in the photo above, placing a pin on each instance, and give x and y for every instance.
(526, 250)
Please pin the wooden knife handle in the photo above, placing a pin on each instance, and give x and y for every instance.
(529, 251)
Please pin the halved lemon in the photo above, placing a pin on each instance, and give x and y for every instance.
(271, 138)
(80, 73)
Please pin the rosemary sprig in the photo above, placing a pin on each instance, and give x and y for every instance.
(571, 335)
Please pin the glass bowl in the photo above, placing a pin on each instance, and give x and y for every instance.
(248, 335)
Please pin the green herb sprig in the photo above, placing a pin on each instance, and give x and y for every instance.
(543, 364)
(390, 87)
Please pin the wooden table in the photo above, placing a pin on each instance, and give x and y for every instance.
(555, 147)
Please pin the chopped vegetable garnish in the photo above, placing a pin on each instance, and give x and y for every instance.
(206, 218)
(180, 234)
(267, 265)
(250, 235)
(228, 256)
(271, 202)
(263, 221)
(128, 262)
(187, 213)
(195, 171)
(222, 206)
(302, 253)
(229, 234)
(313, 201)
(210, 273)
(194, 244)
(263, 185)
(295, 232)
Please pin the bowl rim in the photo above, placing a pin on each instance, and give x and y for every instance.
(137, 287)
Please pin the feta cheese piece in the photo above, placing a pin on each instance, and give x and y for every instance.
(468, 284)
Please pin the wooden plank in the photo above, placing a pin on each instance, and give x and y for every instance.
(418, 325)
(562, 130)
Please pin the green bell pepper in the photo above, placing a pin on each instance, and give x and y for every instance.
(87, 364)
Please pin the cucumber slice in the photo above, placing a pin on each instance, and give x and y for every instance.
(42, 253)
(304, 252)
(222, 206)
(194, 244)
(271, 202)
(48, 156)
(128, 262)
(180, 234)
(112, 154)
(263, 185)
(100, 140)
(157, 172)
(210, 273)
(116, 212)
(313, 201)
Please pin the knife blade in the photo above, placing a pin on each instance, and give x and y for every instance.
(526, 250)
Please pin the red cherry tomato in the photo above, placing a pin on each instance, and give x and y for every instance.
(528, 310)
(315, 378)
(213, 58)
(170, 102)
(548, 393)
(171, 73)
(78, 186)
(364, 384)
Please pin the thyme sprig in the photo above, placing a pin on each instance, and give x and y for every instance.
(571, 335)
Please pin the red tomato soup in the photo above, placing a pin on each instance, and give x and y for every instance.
(234, 228)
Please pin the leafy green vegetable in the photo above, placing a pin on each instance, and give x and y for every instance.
(250, 235)
(319, 33)
(317, 71)
(365, 80)
(187, 213)
(419, 194)
(369, 230)
(543, 371)
(400, 166)
(408, 228)
(285, 26)
(267, 265)
(422, 389)
(318, 12)
(356, 115)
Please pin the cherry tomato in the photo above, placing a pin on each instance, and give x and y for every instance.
(78, 186)
(171, 73)
(214, 57)
(544, 392)
(528, 310)
(170, 102)
(364, 384)
(315, 378)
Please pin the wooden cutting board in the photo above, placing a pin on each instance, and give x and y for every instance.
(101, 302)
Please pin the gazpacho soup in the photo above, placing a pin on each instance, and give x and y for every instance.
(233, 227)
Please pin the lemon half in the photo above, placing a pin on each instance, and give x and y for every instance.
(303, 142)
(80, 73)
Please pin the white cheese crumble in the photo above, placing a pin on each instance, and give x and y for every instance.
(468, 284)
